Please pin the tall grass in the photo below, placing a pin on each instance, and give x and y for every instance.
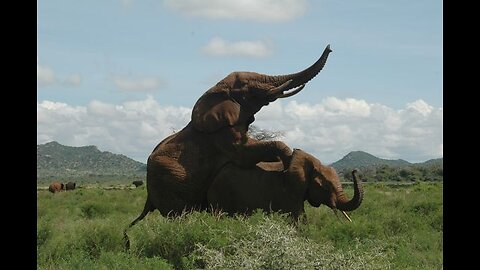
(395, 228)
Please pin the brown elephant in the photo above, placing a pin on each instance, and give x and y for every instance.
(181, 167)
(56, 187)
(70, 186)
(242, 190)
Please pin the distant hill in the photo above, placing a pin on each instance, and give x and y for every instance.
(56, 160)
(360, 159)
(374, 169)
(432, 162)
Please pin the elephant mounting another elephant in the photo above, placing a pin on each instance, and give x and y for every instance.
(182, 167)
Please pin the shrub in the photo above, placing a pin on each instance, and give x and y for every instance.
(93, 210)
(276, 245)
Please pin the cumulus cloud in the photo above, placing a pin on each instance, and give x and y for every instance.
(136, 84)
(220, 47)
(45, 76)
(252, 10)
(132, 128)
(334, 127)
(329, 129)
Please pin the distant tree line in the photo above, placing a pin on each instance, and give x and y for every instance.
(385, 173)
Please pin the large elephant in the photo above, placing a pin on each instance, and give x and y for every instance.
(181, 167)
(56, 187)
(242, 190)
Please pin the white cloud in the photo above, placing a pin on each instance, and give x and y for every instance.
(137, 84)
(329, 129)
(73, 80)
(332, 128)
(252, 10)
(131, 128)
(420, 106)
(45, 76)
(220, 47)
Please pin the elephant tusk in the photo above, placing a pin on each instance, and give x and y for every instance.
(279, 90)
(289, 94)
(345, 214)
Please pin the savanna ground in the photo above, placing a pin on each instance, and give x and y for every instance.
(396, 227)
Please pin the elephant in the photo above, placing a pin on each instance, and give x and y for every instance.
(56, 187)
(180, 168)
(70, 186)
(137, 183)
(242, 190)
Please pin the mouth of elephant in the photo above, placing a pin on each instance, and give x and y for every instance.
(314, 203)
(286, 93)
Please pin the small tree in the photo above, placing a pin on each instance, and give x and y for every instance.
(264, 134)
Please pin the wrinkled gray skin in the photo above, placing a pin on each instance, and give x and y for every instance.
(267, 187)
(181, 167)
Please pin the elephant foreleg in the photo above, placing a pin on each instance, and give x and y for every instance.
(251, 153)
(254, 152)
(247, 152)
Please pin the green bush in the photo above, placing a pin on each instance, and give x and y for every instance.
(93, 210)
(277, 245)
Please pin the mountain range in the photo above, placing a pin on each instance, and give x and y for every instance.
(55, 160)
(360, 159)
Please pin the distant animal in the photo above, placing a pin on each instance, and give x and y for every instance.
(242, 190)
(137, 183)
(56, 187)
(70, 185)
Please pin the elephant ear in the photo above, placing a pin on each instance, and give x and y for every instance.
(297, 172)
(214, 111)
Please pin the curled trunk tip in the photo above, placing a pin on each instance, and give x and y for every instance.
(349, 205)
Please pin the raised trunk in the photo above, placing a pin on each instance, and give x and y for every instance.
(349, 205)
(301, 77)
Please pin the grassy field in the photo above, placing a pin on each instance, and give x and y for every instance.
(396, 227)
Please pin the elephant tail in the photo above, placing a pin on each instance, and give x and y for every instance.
(146, 209)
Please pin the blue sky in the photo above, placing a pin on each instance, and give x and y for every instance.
(100, 62)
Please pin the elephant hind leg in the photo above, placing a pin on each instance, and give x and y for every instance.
(146, 209)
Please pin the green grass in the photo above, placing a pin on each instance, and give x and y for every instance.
(395, 228)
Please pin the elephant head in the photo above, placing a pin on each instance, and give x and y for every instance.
(322, 183)
(240, 95)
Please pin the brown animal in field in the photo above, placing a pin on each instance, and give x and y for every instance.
(70, 185)
(180, 168)
(56, 187)
(242, 190)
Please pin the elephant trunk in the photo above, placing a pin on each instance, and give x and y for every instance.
(343, 203)
(302, 77)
